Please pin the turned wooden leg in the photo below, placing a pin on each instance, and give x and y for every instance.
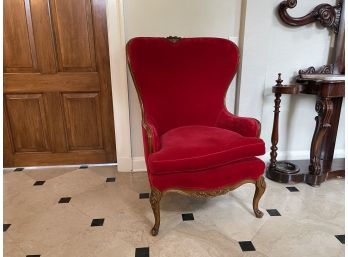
(260, 187)
(274, 148)
(155, 199)
(324, 108)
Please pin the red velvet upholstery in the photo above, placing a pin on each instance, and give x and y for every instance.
(191, 141)
(194, 148)
(209, 179)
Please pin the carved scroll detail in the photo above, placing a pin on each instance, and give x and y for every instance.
(173, 39)
(326, 69)
(327, 15)
(210, 193)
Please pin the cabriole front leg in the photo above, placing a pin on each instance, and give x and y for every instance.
(155, 199)
(260, 187)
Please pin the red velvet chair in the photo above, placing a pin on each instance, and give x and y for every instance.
(193, 145)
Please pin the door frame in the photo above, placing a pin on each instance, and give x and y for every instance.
(119, 85)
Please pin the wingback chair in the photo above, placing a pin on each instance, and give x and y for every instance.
(192, 144)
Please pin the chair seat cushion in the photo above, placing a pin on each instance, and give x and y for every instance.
(211, 179)
(196, 148)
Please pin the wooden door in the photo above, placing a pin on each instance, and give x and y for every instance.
(57, 89)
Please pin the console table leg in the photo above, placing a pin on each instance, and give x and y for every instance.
(328, 145)
(281, 171)
(324, 108)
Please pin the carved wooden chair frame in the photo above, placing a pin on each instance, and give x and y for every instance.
(156, 196)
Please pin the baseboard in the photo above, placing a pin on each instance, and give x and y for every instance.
(60, 166)
(298, 155)
(139, 161)
(124, 164)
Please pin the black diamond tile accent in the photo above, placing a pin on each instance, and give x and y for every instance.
(64, 200)
(113, 179)
(341, 238)
(35, 255)
(142, 252)
(39, 182)
(5, 227)
(187, 216)
(292, 189)
(83, 167)
(97, 222)
(273, 212)
(18, 169)
(144, 195)
(247, 246)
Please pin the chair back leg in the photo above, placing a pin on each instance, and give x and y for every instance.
(155, 198)
(260, 187)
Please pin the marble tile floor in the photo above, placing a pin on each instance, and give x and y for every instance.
(97, 212)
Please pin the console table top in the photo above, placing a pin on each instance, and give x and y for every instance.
(322, 77)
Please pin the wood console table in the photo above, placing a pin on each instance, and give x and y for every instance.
(329, 90)
(327, 83)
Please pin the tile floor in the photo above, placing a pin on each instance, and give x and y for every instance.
(98, 212)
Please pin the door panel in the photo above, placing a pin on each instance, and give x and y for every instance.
(43, 35)
(57, 86)
(75, 44)
(19, 49)
(82, 116)
(62, 81)
(55, 122)
(8, 146)
(27, 121)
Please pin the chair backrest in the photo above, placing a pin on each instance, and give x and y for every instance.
(182, 82)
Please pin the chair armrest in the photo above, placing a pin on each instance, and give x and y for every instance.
(151, 137)
(248, 127)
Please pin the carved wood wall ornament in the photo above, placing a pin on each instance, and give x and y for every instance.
(327, 15)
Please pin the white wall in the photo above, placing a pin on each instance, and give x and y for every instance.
(271, 47)
(268, 47)
(183, 18)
